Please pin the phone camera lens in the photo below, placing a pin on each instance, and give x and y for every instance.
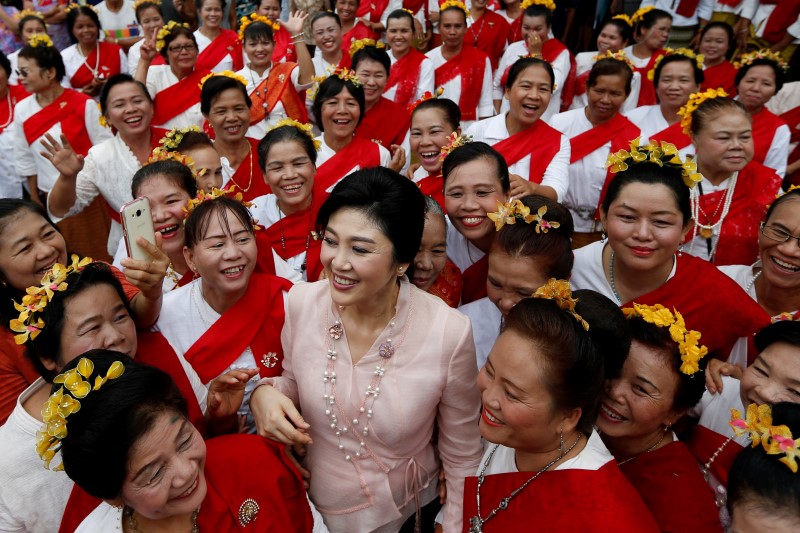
(138, 212)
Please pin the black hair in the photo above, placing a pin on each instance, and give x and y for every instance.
(699, 77)
(450, 110)
(523, 63)
(119, 79)
(625, 31)
(761, 481)
(216, 85)
(201, 2)
(392, 202)
(785, 331)
(400, 14)
(324, 14)
(717, 24)
(379, 55)
(330, 88)
(709, 109)
(610, 67)
(5, 64)
(97, 449)
(537, 10)
(198, 220)
(194, 139)
(780, 75)
(173, 34)
(648, 20)
(609, 328)
(652, 174)
(46, 57)
(77, 11)
(794, 193)
(258, 31)
(147, 4)
(285, 133)
(173, 171)
(27, 18)
(47, 345)
(474, 151)
(453, 8)
(552, 250)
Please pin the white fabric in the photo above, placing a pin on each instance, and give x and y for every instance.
(486, 319)
(459, 250)
(13, 58)
(203, 42)
(73, 59)
(745, 8)
(425, 82)
(265, 210)
(650, 120)
(452, 89)
(703, 11)
(584, 63)
(787, 99)
(134, 54)
(278, 113)
(761, 16)
(125, 18)
(326, 152)
(714, 410)
(29, 160)
(159, 77)
(638, 62)
(32, 498)
(11, 181)
(778, 153)
(493, 130)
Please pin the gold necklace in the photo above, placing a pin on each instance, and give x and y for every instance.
(249, 181)
(134, 525)
(648, 450)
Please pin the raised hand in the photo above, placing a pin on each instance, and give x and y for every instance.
(295, 23)
(62, 156)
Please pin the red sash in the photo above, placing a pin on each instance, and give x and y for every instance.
(540, 139)
(730, 3)
(177, 98)
(274, 88)
(470, 64)
(489, 33)
(448, 285)
(108, 65)
(17, 93)
(784, 14)
(372, 9)
(703, 443)
(360, 151)
(792, 119)
(673, 134)
(249, 175)
(474, 280)
(226, 43)
(560, 500)
(386, 122)
(295, 233)
(69, 109)
(255, 321)
(405, 75)
(765, 124)
(687, 8)
(647, 91)
(721, 75)
(580, 82)
(357, 32)
(551, 49)
(515, 33)
(284, 48)
(433, 186)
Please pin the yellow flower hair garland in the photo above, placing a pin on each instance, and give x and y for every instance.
(637, 16)
(661, 154)
(560, 291)
(357, 45)
(165, 31)
(764, 53)
(695, 99)
(456, 4)
(73, 5)
(255, 17)
(160, 154)
(305, 128)
(29, 13)
(64, 402)
(549, 4)
(101, 119)
(618, 56)
(688, 340)
(408, 11)
(226, 73)
(776, 440)
(508, 213)
(624, 18)
(40, 39)
(203, 196)
(698, 58)
(172, 139)
(454, 140)
(427, 95)
(139, 3)
(28, 325)
(342, 73)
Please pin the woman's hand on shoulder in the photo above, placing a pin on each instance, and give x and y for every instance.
(277, 418)
(715, 370)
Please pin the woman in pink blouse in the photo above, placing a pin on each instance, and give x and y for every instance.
(375, 364)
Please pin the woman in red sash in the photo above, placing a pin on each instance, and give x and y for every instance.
(326, 29)
(716, 45)
(89, 62)
(431, 271)
(488, 31)
(373, 13)
(411, 74)
(218, 49)
(275, 88)
(761, 75)
(651, 29)
(284, 40)
(150, 19)
(537, 155)
(595, 132)
(654, 390)
(353, 28)
(174, 86)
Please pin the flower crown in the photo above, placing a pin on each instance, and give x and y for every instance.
(73, 5)
(408, 11)
(305, 128)
(549, 4)
(64, 402)
(454, 140)
(357, 45)
(695, 99)
(624, 18)
(509, 213)
(172, 139)
(618, 56)
(165, 31)
(784, 317)
(29, 13)
(776, 440)
(255, 17)
(160, 154)
(342, 73)
(764, 53)
(637, 16)
(28, 325)
(427, 95)
(227, 73)
(203, 196)
(660, 154)
(40, 39)
(698, 58)
(138, 3)
(456, 4)
(560, 291)
(688, 340)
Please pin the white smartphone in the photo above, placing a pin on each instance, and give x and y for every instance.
(137, 222)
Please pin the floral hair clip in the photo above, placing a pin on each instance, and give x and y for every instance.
(624, 18)
(355, 46)
(560, 291)
(139, 3)
(456, 4)
(255, 17)
(65, 401)
(661, 154)
(203, 196)
(408, 11)
(101, 119)
(764, 53)
(639, 14)
(698, 58)
(688, 340)
(165, 31)
(549, 4)
(784, 317)
(509, 213)
(305, 128)
(73, 5)
(454, 140)
(29, 13)
(40, 39)
(226, 73)
(776, 440)
(425, 97)
(172, 139)
(618, 56)
(343, 73)
(28, 325)
(695, 99)
(160, 154)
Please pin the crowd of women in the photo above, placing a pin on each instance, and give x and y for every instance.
(413, 269)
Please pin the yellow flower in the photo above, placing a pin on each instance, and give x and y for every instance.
(542, 225)
(503, 216)
(114, 371)
(26, 331)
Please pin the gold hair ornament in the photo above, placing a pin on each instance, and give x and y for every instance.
(661, 154)
(456, 4)
(408, 11)
(139, 3)
(40, 39)
(560, 291)
(454, 140)
(618, 56)
(355, 46)
(549, 4)
(514, 210)
(73, 5)
(165, 31)
(225, 73)
(764, 53)
(639, 14)
(624, 18)
(427, 95)
(305, 128)
(685, 52)
(695, 99)
(776, 440)
(255, 17)
(203, 196)
(342, 73)
(160, 154)
(101, 119)
(172, 139)
(29, 13)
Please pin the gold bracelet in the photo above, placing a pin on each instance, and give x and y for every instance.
(298, 35)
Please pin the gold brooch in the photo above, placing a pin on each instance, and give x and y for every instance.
(248, 512)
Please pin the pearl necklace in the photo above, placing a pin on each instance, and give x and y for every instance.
(707, 231)
(96, 68)
(611, 278)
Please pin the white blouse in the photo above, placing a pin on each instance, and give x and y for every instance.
(159, 77)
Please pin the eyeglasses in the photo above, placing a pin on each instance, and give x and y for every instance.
(181, 48)
(777, 234)
(23, 73)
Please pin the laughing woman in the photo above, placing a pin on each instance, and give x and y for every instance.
(411, 73)
(218, 49)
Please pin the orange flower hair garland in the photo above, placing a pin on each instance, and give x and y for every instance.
(427, 95)
(695, 99)
(255, 17)
(454, 140)
(560, 291)
(698, 58)
(661, 154)
(776, 440)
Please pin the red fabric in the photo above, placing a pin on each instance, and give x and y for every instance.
(277, 87)
(489, 33)
(704, 443)
(372, 9)
(386, 122)
(783, 16)
(255, 321)
(792, 119)
(721, 75)
(79, 506)
(356, 33)
(108, 65)
(360, 151)
(699, 290)
(249, 175)
(177, 98)
(448, 285)
(16, 93)
(561, 500)
(756, 188)
(433, 186)
(474, 280)
(226, 43)
(730, 3)
(405, 75)
(470, 64)
(551, 49)
(17, 373)
(673, 134)
(541, 141)
(515, 30)
(69, 110)
(295, 231)
(687, 8)
(647, 91)
(284, 48)
(580, 83)
(668, 479)
(765, 124)
(413, 5)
